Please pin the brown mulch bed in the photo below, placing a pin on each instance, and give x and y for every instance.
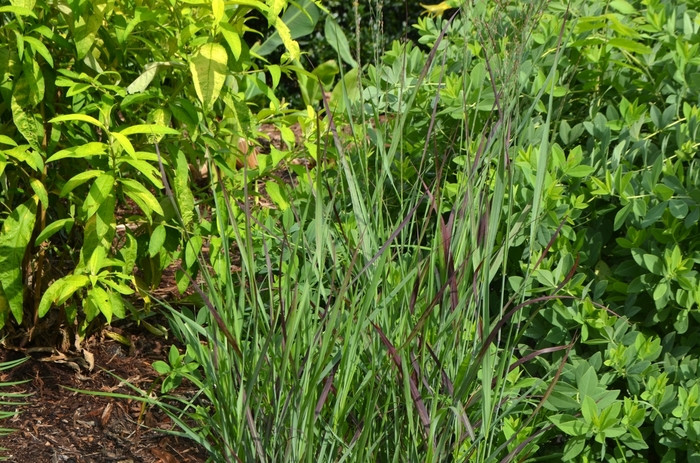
(59, 425)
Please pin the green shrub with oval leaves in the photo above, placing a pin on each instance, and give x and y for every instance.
(618, 241)
(86, 90)
(623, 183)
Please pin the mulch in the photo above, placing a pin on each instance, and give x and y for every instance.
(59, 425)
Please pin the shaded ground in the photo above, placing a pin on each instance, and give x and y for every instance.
(59, 425)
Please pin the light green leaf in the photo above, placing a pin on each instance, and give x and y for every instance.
(102, 301)
(77, 89)
(569, 424)
(115, 301)
(150, 70)
(4, 139)
(142, 82)
(209, 69)
(290, 44)
(50, 296)
(60, 291)
(150, 172)
(157, 240)
(17, 10)
(579, 171)
(623, 7)
(589, 410)
(84, 151)
(52, 228)
(40, 48)
(275, 73)
(653, 264)
(277, 195)
(232, 39)
(217, 7)
(34, 78)
(661, 290)
(276, 7)
(141, 196)
(300, 18)
(629, 45)
(40, 191)
(161, 367)
(91, 305)
(125, 144)
(663, 192)
(150, 129)
(337, 39)
(70, 285)
(25, 123)
(14, 238)
(86, 31)
(194, 245)
(118, 287)
(78, 117)
(181, 185)
(78, 180)
(99, 191)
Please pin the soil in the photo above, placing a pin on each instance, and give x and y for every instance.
(59, 425)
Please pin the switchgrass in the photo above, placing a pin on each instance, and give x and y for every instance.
(371, 320)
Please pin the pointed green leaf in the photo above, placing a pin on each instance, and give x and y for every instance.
(290, 44)
(150, 172)
(102, 301)
(141, 196)
(277, 194)
(17, 10)
(125, 144)
(569, 424)
(142, 82)
(4, 139)
(217, 8)
(14, 238)
(337, 39)
(78, 180)
(157, 240)
(70, 285)
(25, 123)
(40, 191)
(78, 117)
(86, 32)
(34, 78)
(50, 296)
(40, 48)
(209, 67)
(52, 228)
(115, 300)
(150, 129)
(83, 151)
(629, 45)
(589, 410)
(181, 185)
(99, 191)
(232, 39)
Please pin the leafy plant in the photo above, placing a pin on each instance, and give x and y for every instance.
(85, 90)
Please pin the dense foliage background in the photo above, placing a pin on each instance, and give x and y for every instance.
(479, 243)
